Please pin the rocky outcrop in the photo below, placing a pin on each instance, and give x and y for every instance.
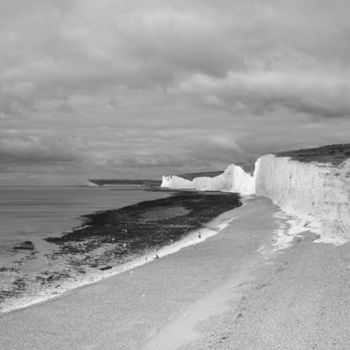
(26, 245)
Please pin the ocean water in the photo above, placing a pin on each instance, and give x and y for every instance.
(35, 213)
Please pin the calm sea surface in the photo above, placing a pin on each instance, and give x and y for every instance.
(33, 213)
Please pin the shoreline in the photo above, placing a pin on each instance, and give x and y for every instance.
(234, 290)
(191, 239)
(62, 284)
(127, 310)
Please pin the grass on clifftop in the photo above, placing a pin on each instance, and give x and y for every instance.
(334, 154)
(191, 176)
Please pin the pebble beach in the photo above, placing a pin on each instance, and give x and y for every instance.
(233, 291)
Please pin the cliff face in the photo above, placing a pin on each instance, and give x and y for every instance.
(233, 179)
(317, 193)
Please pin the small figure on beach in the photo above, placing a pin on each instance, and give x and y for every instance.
(157, 257)
(199, 235)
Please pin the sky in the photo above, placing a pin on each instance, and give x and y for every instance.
(142, 88)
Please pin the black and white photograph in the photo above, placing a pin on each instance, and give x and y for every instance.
(174, 175)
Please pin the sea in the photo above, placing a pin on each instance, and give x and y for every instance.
(35, 213)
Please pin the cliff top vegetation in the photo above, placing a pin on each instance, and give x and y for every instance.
(334, 154)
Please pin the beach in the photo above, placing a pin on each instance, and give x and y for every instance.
(109, 242)
(235, 290)
(301, 301)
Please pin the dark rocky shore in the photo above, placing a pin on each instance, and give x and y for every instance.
(136, 229)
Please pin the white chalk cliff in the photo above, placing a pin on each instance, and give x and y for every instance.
(319, 191)
(313, 191)
(233, 179)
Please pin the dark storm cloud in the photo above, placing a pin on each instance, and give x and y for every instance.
(109, 87)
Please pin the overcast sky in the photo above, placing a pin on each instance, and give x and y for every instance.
(116, 89)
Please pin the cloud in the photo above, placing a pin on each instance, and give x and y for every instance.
(35, 150)
(312, 93)
(115, 88)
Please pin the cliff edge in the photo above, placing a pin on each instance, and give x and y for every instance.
(309, 184)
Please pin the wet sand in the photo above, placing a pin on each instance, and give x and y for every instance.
(232, 291)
